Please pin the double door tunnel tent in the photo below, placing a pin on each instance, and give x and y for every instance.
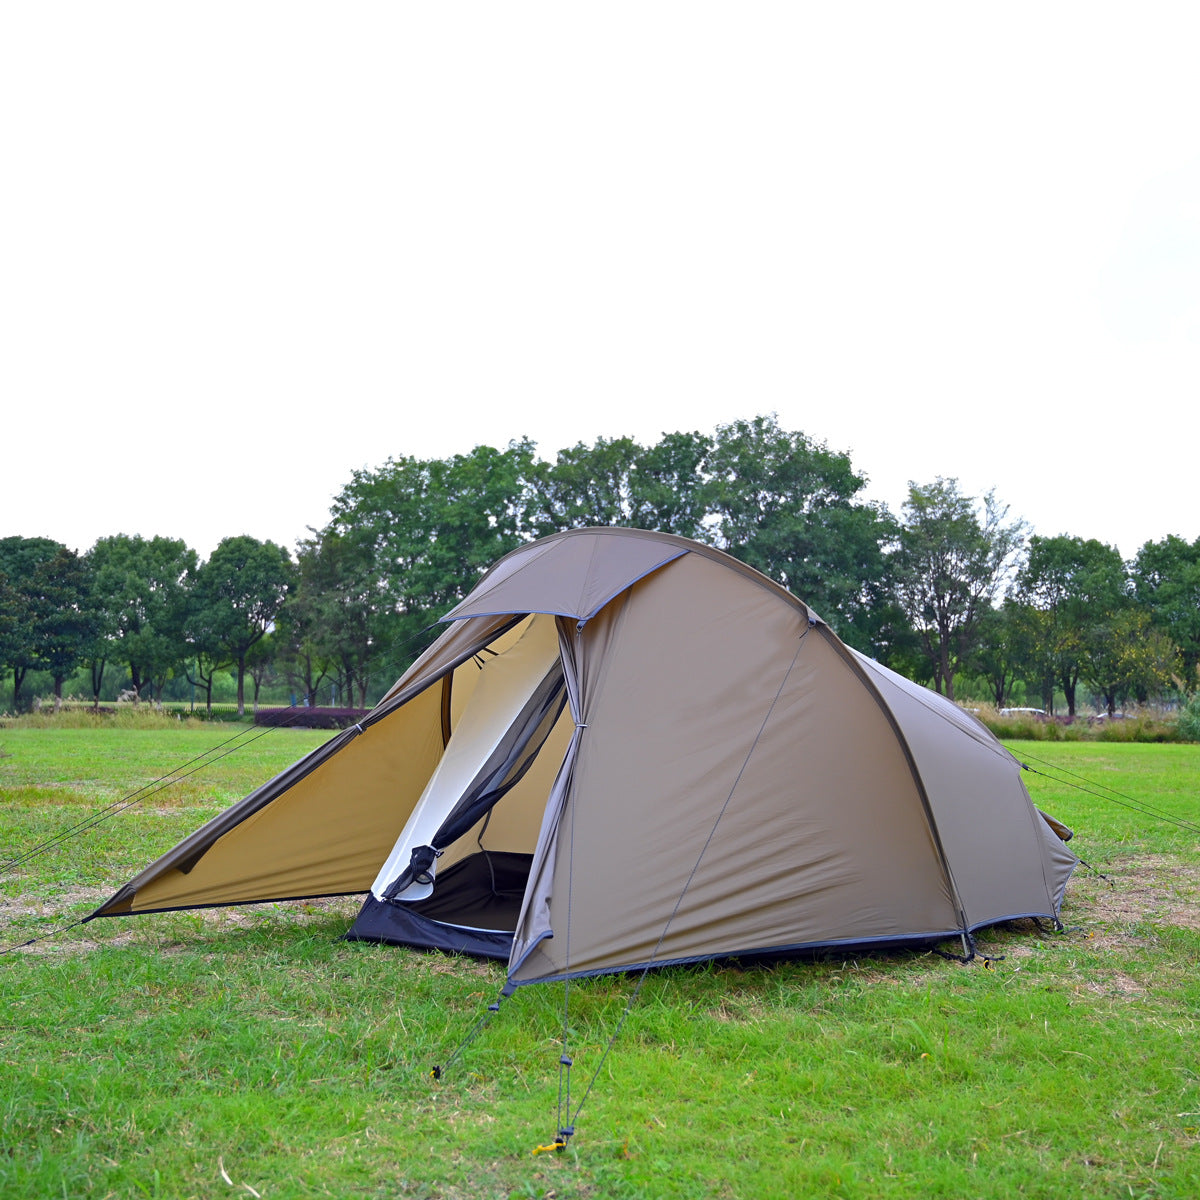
(629, 748)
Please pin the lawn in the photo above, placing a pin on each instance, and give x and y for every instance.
(250, 1052)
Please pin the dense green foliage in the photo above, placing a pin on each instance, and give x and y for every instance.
(1189, 720)
(237, 595)
(48, 611)
(142, 587)
(1074, 588)
(1166, 579)
(951, 564)
(946, 592)
(215, 1052)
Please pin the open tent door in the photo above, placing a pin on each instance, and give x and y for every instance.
(503, 751)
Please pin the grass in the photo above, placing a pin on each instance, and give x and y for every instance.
(250, 1051)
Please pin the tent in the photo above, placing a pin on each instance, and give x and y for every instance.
(629, 748)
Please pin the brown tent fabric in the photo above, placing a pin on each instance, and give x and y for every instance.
(725, 778)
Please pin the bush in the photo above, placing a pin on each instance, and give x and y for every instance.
(1141, 727)
(1189, 720)
(309, 718)
(1029, 727)
(118, 716)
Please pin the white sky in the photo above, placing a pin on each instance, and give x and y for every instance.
(246, 248)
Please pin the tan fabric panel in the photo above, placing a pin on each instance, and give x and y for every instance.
(466, 676)
(991, 833)
(824, 836)
(457, 640)
(329, 833)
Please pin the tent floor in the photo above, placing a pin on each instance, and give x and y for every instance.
(473, 909)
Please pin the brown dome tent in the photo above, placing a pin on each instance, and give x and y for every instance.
(629, 748)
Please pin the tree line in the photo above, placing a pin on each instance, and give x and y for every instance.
(949, 589)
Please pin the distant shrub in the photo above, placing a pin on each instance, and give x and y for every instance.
(119, 716)
(199, 710)
(1028, 727)
(1143, 727)
(309, 718)
(1189, 720)
(1148, 726)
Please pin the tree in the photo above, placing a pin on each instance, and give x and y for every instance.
(10, 608)
(340, 614)
(1032, 634)
(953, 558)
(619, 482)
(73, 622)
(107, 618)
(48, 618)
(408, 541)
(1079, 586)
(788, 507)
(301, 642)
(142, 585)
(13, 637)
(667, 489)
(1129, 657)
(585, 485)
(1166, 580)
(202, 670)
(1004, 649)
(260, 663)
(237, 595)
(203, 625)
(24, 612)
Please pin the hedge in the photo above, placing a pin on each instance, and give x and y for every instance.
(310, 718)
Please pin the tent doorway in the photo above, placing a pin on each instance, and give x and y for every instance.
(461, 864)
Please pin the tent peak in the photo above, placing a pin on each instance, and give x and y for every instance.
(576, 572)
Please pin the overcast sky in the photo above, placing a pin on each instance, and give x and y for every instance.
(248, 248)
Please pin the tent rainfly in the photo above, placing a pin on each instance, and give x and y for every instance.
(628, 748)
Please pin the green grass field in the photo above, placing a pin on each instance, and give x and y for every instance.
(250, 1052)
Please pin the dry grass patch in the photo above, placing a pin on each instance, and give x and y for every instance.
(1159, 888)
(1113, 983)
(56, 905)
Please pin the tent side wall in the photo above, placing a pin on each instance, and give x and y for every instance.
(722, 730)
(993, 837)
